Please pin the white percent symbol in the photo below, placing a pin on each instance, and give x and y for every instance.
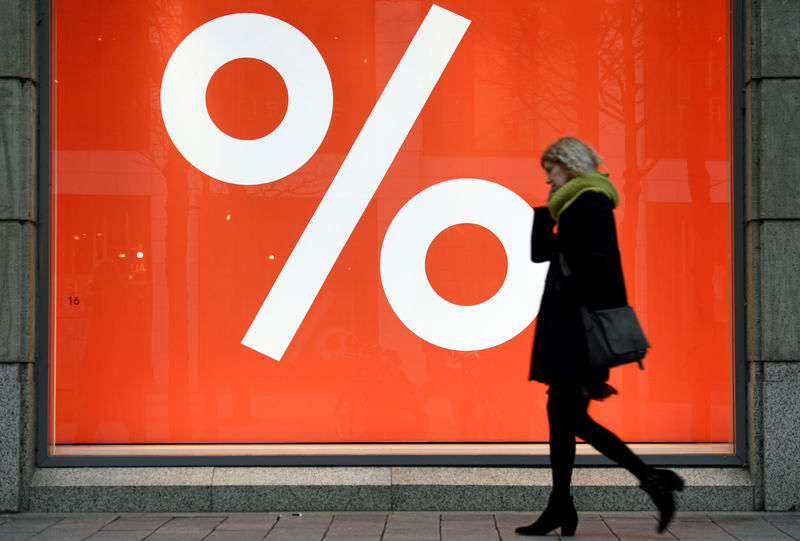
(248, 35)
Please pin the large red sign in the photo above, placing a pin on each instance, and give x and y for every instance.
(310, 221)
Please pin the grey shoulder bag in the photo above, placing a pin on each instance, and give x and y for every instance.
(613, 335)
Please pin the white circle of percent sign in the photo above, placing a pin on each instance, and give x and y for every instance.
(240, 161)
(405, 282)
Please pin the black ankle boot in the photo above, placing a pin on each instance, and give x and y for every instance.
(560, 513)
(660, 485)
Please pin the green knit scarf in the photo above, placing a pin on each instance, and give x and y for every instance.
(569, 192)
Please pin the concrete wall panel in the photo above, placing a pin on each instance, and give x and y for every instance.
(16, 292)
(779, 291)
(779, 160)
(17, 114)
(16, 36)
(779, 38)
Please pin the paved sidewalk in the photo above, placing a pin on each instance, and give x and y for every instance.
(384, 527)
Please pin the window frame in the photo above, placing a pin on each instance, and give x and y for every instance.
(737, 458)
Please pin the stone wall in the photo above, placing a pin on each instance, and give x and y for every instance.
(17, 247)
(773, 248)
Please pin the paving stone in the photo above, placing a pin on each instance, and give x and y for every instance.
(120, 535)
(398, 527)
(304, 521)
(788, 524)
(136, 523)
(187, 528)
(64, 534)
(84, 522)
(294, 535)
(352, 537)
(27, 524)
(630, 528)
(698, 530)
(236, 535)
(691, 517)
(410, 536)
(405, 530)
(362, 518)
(750, 529)
(470, 535)
(355, 529)
(414, 518)
(73, 528)
(16, 536)
(191, 523)
(594, 529)
(467, 517)
(172, 536)
(248, 522)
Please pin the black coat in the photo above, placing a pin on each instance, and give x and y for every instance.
(587, 236)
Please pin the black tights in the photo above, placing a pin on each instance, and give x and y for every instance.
(567, 413)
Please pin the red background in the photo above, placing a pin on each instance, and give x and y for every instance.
(147, 349)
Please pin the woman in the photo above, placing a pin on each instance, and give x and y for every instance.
(580, 206)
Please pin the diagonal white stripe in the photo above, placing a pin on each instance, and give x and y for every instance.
(362, 171)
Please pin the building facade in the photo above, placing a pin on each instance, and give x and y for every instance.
(760, 473)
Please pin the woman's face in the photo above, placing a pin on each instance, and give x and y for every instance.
(557, 174)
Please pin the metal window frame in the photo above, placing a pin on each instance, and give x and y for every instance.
(738, 300)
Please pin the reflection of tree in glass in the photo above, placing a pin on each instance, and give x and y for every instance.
(642, 80)
(593, 68)
(619, 67)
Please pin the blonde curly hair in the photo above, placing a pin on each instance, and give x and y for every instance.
(577, 157)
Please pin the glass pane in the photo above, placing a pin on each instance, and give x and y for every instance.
(178, 201)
